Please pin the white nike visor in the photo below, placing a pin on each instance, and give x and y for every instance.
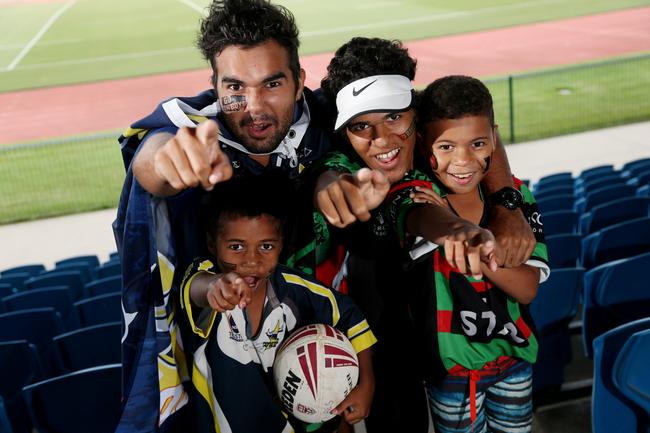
(375, 94)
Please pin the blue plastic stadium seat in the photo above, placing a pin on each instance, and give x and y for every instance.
(592, 185)
(565, 176)
(87, 272)
(614, 212)
(614, 293)
(603, 195)
(564, 250)
(100, 309)
(37, 326)
(560, 222)
(555, 203)
(114, 255)
(615, 242)
(108, 269)
(636, 163)
(80, 402)
(20, 365)
(630, 373)
(59, 297)
(16, 280)
(33, 270)
(643, 191)
(93, 261)
(5, 424)
(632, 170)
(104, 286)
(594, 172)
(6, 290)
(555, 305)
(550, 192)
(72, 279)
(610, 412)
(89, 347)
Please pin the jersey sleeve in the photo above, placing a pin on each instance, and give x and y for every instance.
(200, 319)
(319, 304)
(399, 204)
(539, 257)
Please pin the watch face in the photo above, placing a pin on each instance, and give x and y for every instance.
(509, 198)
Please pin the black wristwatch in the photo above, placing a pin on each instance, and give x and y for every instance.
(508, 197)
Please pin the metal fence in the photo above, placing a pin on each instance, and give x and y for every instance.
(81, 174)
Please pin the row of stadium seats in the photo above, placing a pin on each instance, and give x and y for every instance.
(60, 333)
(598, 254)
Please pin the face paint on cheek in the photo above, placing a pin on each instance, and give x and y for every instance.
(488, 161)
(433, 162)
(233, 104)
(409, 131)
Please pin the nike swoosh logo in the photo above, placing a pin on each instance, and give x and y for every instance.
(356, 92)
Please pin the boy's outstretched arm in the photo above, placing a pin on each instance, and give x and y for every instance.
(356, 405)
(510, 228)
(344, 198)
(466, 244)
(221, 292)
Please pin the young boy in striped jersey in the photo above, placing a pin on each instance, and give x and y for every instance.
(477, 328)
(254, 303)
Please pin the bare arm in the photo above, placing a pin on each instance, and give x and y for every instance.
(521, 282)
(219, 291)
(511, 230)
(356, 406)
(466, 245)
(168, 164)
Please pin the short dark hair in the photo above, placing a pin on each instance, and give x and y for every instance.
(364, 57)
(454, 97)
(248, 197)
(248, 23)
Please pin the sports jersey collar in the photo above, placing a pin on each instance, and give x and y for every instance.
(182, 114)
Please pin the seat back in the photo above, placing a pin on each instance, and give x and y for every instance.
(104, 286)
(630, 373)
(560, 222)
(609, 411)
(79, 402)
(617, 293)
(93, 261)
(87, 273)
(16, 279)
(557, 190)
(72, 279)
(89, 347)
(59, 297)
(604, 195)
(100, 309)
(556, 202)
(109, 269)
(614, 212)
(32, 270)
(618, 241)
(38, 326)
(564, 250)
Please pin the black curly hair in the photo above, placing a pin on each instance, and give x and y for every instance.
(453, 97)
(363, 57)
(248, 23)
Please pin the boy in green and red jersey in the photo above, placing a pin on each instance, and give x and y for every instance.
(477, 328)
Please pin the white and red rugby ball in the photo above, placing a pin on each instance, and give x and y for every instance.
(314, 370)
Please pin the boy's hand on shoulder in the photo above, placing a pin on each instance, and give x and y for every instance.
(427, 195)
(513, 235)
(468, 246)
(226, 291)
(346, 198)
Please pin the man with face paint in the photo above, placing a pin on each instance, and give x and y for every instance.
(256, 118)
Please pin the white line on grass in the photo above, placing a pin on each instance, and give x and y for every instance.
(425, 18)
(102, 59)
(194, 6)
(39, 35)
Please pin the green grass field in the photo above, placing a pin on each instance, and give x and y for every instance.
(105, 39)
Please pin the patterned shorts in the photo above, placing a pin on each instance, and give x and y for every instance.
(503, 403)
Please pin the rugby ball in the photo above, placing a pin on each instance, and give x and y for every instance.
(314, 370)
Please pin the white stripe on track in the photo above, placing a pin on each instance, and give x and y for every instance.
(39, 35)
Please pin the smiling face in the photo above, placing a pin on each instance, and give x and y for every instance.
(385, 141)
(249, 246)
(461, 149)
(261, 73)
